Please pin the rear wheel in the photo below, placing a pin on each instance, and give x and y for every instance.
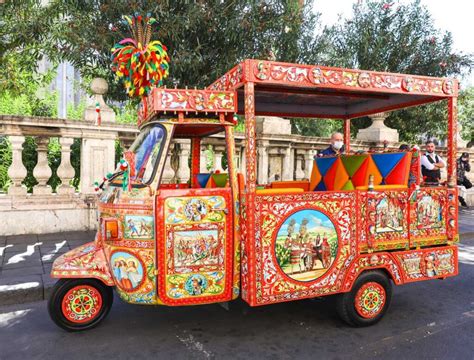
(368, 300)
(79, 304)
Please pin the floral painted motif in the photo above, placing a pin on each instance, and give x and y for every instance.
(195, 285)
(372, 261)
(428, 263)
(87, 260)
(179, 210)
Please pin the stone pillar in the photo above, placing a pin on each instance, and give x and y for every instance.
(174, 162)
(309, 158)
(42, 172)
(168, 173)
(300, 162)
(273, 125)
(65, 169)
(287, 173)
(97, 159)
(218, 154)
(183, 173)
(263, 166)
(17, 171)
(378, 131)
(99, 88)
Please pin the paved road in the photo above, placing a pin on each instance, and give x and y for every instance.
(429, 320)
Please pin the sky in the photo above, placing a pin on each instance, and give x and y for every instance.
(454, 16)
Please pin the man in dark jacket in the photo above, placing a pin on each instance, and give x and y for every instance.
(336, 147)
(463, 166)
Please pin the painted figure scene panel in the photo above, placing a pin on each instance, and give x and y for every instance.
(197, 248)
(306, 245)
(138, 227)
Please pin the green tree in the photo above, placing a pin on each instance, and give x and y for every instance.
(394, 37)
(204, 38)
(466, 113)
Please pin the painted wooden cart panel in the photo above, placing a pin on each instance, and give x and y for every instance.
(194, 246)
(303, 245)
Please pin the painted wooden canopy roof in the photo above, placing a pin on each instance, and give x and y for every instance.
(294, 90)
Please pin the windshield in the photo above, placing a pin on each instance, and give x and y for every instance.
(148, 144)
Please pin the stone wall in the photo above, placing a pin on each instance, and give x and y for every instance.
(280, 155)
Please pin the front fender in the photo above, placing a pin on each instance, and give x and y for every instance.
(86, 261)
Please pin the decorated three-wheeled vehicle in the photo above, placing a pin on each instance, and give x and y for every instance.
(362, 222)
(220, 236)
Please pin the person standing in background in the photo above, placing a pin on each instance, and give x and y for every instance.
(463, 166)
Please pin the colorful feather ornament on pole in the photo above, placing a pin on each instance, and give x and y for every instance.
(141, 63)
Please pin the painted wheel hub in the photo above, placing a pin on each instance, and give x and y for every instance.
(81, 304)
(370, 300)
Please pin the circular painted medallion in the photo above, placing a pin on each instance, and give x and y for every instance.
(195, 210)
(127, 270)
(306, 245)
(196, 284)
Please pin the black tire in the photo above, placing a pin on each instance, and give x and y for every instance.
(91, 286)
(346, 303)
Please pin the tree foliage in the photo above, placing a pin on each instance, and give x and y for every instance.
(466, 113)
(394, 37)
(204, 38)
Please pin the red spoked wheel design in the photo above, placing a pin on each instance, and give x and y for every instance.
(81, 304)
(370, 300)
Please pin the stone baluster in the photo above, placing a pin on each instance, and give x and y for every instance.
(65, 169)
(17, 171)
(174, 162)
(309, 158)
(378, 131)
(287, 164)
(299, 171)
(237, 159)
(42, 172)
(262, 162)
(218, 154)
(183, 172)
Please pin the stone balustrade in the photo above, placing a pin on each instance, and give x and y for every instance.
(67, 209)
(281, 155)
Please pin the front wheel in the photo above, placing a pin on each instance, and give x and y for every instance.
(79, 304)
(368, 300)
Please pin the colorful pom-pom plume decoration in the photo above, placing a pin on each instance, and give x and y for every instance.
(143, 64)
